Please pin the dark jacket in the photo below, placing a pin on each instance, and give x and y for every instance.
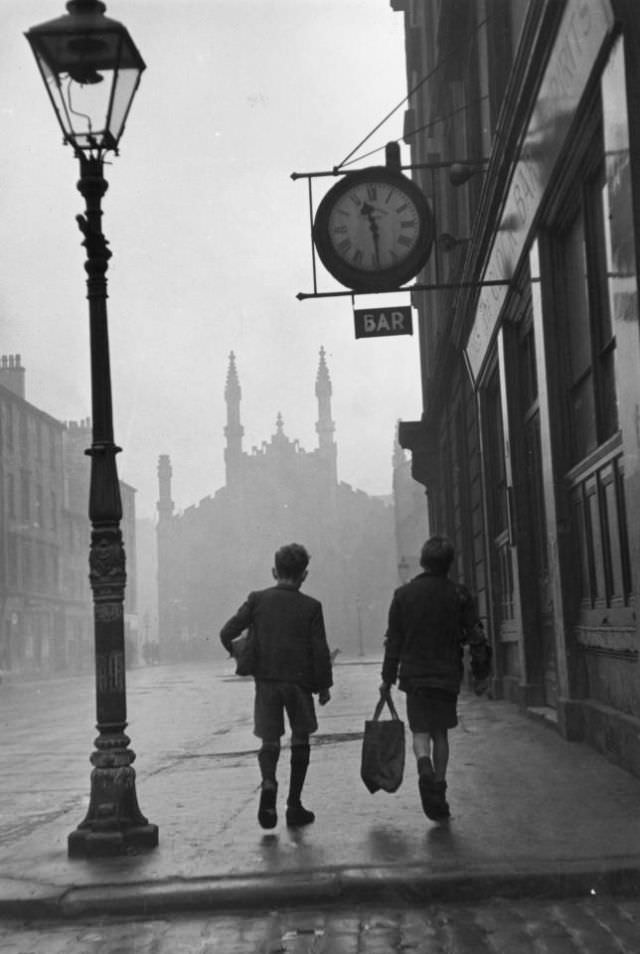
(430, 618)
(291, 640)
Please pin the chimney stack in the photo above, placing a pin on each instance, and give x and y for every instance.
(12, 374)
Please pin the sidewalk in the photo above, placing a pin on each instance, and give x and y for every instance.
(532, 816)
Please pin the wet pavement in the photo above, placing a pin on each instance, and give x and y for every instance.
(533, 816)
(586, 926)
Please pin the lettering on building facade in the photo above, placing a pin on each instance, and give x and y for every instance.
(584, 27)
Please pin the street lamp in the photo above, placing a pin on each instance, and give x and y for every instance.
(91, 69)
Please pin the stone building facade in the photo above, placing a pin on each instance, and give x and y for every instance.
(46, 615)
(527, 440)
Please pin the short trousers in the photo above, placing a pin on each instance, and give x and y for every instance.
(272, 700)
(431, 709)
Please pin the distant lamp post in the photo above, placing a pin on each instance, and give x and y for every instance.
(91, 69)
(360, 634)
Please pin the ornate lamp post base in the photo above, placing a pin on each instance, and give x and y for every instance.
(114, 824)
(84, 843)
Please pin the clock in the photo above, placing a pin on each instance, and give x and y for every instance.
(373, 229)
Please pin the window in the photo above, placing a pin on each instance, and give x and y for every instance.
(498, 500)
(41, 571)
(24, 434)
(25, 494)
(39, 514)
(590, 342)
(27, 582)
(585, 292)
(12, 558)
(11, 495)
(9, 428)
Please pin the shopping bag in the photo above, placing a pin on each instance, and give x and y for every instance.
(383, 749)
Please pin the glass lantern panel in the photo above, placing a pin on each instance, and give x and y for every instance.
(56, 94)
(124, 87)
(87, 106)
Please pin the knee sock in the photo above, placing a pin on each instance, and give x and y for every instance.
(299, 763)
(424, 765)
(268, 761)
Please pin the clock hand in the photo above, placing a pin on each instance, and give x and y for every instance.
(367, 209)
(376, 250)
(375, 234)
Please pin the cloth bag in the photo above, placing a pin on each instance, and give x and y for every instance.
(383, 750)
(244, 651)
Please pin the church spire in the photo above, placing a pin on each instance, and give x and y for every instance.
(399, 457)
(325, 426)
(234, 430)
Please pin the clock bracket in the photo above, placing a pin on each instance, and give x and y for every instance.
(392, 162)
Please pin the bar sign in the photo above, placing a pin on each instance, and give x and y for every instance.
(381, 322)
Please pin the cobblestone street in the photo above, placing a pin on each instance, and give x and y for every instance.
(591, 926)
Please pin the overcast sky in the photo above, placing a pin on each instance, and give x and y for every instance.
(210, 236)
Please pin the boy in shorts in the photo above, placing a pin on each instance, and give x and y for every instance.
(292, 663)
(430, 618)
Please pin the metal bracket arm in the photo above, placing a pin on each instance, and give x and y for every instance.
(419, 286)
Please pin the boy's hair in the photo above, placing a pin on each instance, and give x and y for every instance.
(291, 561)
(437, 555)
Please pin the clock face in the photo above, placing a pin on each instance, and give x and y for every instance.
(373, 229)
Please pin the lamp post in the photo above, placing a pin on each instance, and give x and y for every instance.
(91, 70)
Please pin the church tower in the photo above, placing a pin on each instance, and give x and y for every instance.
(165, 503)
(325, 427)
(234, 429)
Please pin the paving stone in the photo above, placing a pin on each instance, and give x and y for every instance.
(582, 926)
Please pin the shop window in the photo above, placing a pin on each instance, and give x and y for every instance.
(585, 279)
(590, 343)
(494, 438)
(529, 428)
(600, 521)
(498, 496)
